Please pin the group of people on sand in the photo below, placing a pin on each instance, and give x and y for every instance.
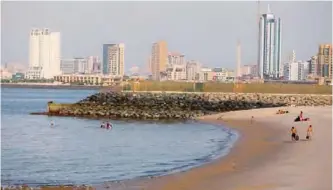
(309, 132)
(106, 126)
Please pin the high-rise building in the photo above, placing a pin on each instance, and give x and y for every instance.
(114, 59)
(296, 71)
(325, 60)
(159, 59)
(314, 67)
(176, 67)
(44, 54)
(67, 66)
(176, 59)
(193, 69)
(92, 64)
(80, 65)
(269, 50)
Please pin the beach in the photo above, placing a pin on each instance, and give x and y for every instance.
(264, 158)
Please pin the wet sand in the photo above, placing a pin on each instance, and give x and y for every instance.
(264, 158)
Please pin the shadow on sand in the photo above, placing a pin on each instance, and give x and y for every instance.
(300, 140)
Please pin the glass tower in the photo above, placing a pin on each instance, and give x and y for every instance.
(269, 53)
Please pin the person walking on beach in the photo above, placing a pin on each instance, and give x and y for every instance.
(293, 134)
(309, 132)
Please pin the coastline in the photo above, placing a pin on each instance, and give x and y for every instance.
(262, 149)
(48, 86)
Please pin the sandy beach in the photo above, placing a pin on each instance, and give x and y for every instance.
(264, 158)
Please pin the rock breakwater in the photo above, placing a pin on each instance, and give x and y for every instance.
(164, 106)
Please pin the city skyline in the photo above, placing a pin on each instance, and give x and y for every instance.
(299, 19)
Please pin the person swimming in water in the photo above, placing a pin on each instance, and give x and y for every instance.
(293, 133)
(108, 125)
(52, 124)
(103, 125)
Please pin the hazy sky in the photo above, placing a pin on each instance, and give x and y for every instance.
(204, 31)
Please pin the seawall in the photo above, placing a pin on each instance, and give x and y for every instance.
(144, 105)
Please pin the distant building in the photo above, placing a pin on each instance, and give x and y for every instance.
(5, 74)
(296, 71)
(220, 74)
(67, 66)
(159, 59)
(314, 67)
(93, 65)
(193, 69)
(18, 76)
(269, 55)
(44, 54)
(206, 74)
(325, 60)
(176, 67)
(176, 59)
(87, 79)
(249, 70)
(114, 59)
(80, 65)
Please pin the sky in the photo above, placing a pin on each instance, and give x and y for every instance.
(203, 31)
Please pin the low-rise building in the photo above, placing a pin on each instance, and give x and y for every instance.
(206, 74)
(105, 80)
(18, 76)
(34, 73)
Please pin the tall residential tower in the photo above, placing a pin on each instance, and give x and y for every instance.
(113, 59)
(269, 50)
(44, 54)
(159, 59)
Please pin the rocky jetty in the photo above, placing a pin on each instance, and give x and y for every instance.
(164, 106)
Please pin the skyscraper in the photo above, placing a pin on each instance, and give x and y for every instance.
(325, 60)
(44, 54)
(113, 59)
(159, 59)
(269, 50)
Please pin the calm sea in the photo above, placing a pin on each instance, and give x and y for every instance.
(78, 151)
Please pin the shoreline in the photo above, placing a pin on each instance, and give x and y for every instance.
(48, 86)
(256, 149)
(263, 157)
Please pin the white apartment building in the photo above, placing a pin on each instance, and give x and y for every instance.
(176, 72)
(193, 70)
(176, 67)
(93, 65)
(81, 65)
(114, 59)
(296, 71)
(67, 66)
(44, 54)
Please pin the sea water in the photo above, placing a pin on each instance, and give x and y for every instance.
(78, 151)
